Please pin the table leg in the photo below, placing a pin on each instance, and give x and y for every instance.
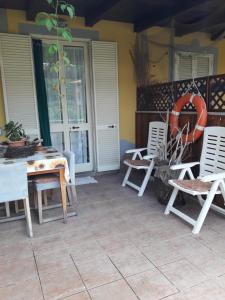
(63, 193)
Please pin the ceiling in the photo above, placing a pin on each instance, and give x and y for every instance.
(188, 16)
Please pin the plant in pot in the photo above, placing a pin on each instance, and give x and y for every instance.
(172, 153)
(15, 134)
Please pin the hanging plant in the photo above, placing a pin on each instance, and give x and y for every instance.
(52, 22)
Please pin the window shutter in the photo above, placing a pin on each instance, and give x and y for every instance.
(203, 65)
(190, 64)
(16, 63)
(105, 81)
(184, 66)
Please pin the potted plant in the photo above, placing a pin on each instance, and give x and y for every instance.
(172, 153)
(15, 134)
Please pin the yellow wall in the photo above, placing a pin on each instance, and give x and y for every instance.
(125, 37)
(159, 55)
(108, 31)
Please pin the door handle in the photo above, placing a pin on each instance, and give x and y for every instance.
(112, 126)
(75, 127)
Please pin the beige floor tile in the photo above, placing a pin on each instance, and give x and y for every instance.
(161, 253)
(97, 272)
(15, 249)
(183, 274)
(60, 284)
(86, 250)
(80, 296)
(52, 263)
(213, 266)
(17, 270)
(48, 244)
(27, 290)
(208, 290)
(130, 262)
(118, 290)
(151, 285)
(113, 242)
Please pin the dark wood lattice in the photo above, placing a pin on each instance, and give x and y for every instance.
(161, 97)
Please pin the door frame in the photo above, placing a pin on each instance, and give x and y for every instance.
(91, 166)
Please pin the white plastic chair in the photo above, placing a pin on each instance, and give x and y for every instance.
(14, 186)
(210, 181)
(43, 183)
(157, 136)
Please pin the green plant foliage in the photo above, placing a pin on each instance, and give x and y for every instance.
(51, 21)
(14, 131)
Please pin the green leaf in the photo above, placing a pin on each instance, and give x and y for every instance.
(53, 49)
(49, 1)
(66, 60)
(71, 10)
(67, 35)
(63, 7)
(41, 18)
(49, 25)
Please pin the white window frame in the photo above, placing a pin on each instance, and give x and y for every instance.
(194, 62)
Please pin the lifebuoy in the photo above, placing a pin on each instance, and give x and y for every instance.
(201, 110)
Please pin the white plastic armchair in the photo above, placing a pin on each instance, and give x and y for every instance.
(209, 182)
(157, 136)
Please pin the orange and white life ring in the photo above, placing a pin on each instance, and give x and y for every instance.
(199, 103)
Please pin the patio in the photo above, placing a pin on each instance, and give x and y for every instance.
(118, 247)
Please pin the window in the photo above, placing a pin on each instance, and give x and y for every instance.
(192, 65)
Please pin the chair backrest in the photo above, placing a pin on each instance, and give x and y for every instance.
(13, 182)
(157, 135)
(213, 151)
(70, 156)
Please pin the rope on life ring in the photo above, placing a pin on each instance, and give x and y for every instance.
(200, 106)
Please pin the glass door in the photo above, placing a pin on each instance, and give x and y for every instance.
(70, 113)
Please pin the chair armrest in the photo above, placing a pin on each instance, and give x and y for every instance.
(136, 150)
(184, 166)
(151, 156)
(212, 177)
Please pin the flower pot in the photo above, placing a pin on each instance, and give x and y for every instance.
(20, 143)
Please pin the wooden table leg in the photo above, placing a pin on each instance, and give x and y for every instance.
(63, 192)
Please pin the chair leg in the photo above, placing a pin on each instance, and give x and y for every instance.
(7, 209)
(45, 198)
(28, 217)
(74, 198)
(39, 197)
(171, 201)
(16, 207)
(204, 210)
(146, 180)
(126, 176)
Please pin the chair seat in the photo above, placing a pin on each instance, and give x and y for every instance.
(137, 163)
(193, 187)
(46, 182)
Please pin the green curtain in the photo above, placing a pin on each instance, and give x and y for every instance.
(41, 93)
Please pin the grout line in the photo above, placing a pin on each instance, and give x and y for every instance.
(80, 276)
(124, 278)
(164, 275)
(38, 275)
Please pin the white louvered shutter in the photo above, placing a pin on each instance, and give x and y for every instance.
(204, 65)
(184, 66)
(193, 65)
(105, 81)
(17, 70)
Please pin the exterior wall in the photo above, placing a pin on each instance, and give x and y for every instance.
(106, 31)
(161, 55)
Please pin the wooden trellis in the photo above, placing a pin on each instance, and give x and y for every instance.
(161, 97)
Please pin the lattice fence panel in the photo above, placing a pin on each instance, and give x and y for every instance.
(216, 91)
(161, 97)
(158, 97)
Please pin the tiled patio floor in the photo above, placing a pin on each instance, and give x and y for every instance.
(120, 247)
